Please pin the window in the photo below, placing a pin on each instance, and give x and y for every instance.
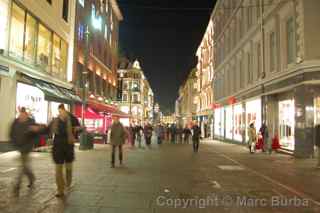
(65, 10)
(250, 77)
(259, 59)
(81, 30)
(291, 50)
(241, 74)
(49, 1)
(64, 58)
(30, 37)
(273, 51)
(56, 54)
(17, 32)
(3, 23)
(44, 47)
(81, 2)
(107, 6)
(106, 32)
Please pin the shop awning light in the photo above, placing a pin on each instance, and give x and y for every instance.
(100, 99)
(91, 96)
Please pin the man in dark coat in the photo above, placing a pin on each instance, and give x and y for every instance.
(196, 133)
(147, 131)
(22, 135)
(186, 134)
(118, 137)
(64, 128)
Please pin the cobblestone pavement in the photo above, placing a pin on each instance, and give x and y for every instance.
(168, 178)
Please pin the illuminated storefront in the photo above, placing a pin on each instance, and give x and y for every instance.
(219, 122)
(253, 114)
(237, 122)
(229, 122)
(287, 124)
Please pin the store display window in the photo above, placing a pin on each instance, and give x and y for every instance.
(253, 114)
(286, 124)
(237, 122)
(229, 122)
(219, 122)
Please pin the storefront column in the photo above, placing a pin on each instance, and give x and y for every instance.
(304, 115)
(243, 128)
(271, 116)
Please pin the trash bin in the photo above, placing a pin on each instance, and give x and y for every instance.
(86, 141)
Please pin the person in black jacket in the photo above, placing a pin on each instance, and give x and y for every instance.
(186, 134)
(64, 128)
(196, 133)
(23, 132)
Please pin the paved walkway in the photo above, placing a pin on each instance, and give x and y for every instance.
(170, 178)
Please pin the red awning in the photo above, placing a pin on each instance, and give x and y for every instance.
(107, 109)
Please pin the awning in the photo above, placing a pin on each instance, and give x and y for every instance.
(107, 109)
(53, 92)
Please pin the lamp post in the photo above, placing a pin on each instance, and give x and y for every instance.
(84, 135)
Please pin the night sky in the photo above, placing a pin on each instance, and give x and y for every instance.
(164, 36)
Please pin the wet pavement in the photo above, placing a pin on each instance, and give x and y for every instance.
(169, 178)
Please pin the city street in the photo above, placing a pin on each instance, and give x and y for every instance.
(169, 178)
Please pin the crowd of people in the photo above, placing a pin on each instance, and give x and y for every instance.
(64, 131)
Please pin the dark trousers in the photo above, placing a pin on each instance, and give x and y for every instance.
(173, 138)
(195, 143)
(159, 140)
(114, 153)
(186, 139)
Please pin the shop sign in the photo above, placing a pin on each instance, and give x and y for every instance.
(232, 100)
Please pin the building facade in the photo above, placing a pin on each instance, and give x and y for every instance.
(36, 46)
(267, 69)
(205, 72)
(95, 61)
(135, 95)
(187, 94)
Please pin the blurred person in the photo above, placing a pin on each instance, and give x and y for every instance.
(317, 143)
(118, 137)
(64, 129)
(196, 134)
(179, 134)
(147, 131)
(173, 132)
(265, 138)
(139, 132)
(22, 134)
(252, 137)
(186, 134)
(159, 130)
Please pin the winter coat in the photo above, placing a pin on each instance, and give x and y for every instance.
(21, 136)
(252, 135)
(196, 132)
(147, 131)
(317, 135)
(118, 134)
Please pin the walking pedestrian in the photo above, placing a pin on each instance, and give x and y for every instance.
(317, 143)
(139, 132)
(252, 137)
(23, 132)
(134, 134)
(118, 137)
(173, 132)
(196, 134)
(179, 134)
(159, 130)
(186, 134)
(148, 133)
(265, 138)
(65, 129)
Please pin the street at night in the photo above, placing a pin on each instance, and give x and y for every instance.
(170, 178)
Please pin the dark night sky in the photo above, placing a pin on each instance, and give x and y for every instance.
(163, 35)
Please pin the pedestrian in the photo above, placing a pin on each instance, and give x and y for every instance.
(159, 130)
(173, 132)
(130, 135)
(139, 132)
(196, 134)
(64, 128)
(134, 134)
(252, 137)
(118, 137)
(23, 132)
(147, 131)
(265, 138)
(186, 134)
(317, 143)
(179, 134)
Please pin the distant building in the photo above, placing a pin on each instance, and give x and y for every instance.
(134, 95)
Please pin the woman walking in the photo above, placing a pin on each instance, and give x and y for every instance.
(252, 137)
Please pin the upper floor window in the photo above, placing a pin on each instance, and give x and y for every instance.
(81, 2)
(273, 51)
(49, 1)
(291, 50)
(65, 10)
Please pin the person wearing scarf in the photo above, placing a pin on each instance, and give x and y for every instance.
(63, 147)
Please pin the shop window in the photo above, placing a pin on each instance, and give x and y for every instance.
(30, 37)
(286, 124)
(56, 55)
(44, 47)
(17, 31)
(65, 10)
(125, 97)
(64, 58)
(3, 23)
